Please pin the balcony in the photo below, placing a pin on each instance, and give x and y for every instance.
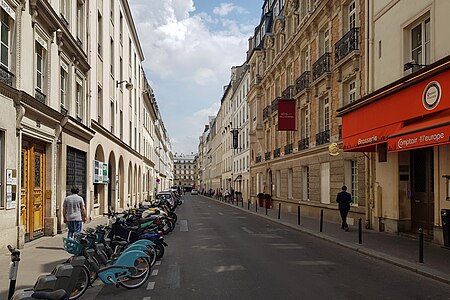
(258, 159)
(288, 93)
(64, 111)
(323, 137)
(267, 156)
(276, 153)
(274, 106)
(347, 44)
(6, 76)
(321, 66)
(302, 82)
(39, 96)
(288, 149)
(303, 144)
(266, 112)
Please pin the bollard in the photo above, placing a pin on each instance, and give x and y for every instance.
(242, 203)
(360, 231)
(265, 204)
(298, 215)
(321, 220)
(420, 245)
(248, 204)
(256, 206)
(279, 211)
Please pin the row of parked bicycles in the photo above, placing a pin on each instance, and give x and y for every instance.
(120, 253)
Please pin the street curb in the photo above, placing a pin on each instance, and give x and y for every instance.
(419, 269)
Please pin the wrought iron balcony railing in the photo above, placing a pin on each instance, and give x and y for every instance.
(39, 96)
(258, 159)
(64, 110)
(323, 137)
(303, 144)
(276, 152)
(288, 149)
(302, 82)
(266, 112)
(267, 156)
(6, 76)
(321, 66)
(347, 44)
(288, 93)
(274, 106)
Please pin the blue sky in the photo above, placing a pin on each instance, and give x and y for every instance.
(189, 48)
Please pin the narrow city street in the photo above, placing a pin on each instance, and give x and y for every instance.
(221, 252)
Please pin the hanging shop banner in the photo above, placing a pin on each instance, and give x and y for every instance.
(286, 115)
(235, 138)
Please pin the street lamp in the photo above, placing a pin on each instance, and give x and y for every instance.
(128, 86)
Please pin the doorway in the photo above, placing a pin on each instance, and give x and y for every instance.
(422, 190)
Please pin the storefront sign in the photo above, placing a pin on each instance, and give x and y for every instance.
(440, 135)
(431, 95)
(286, 115)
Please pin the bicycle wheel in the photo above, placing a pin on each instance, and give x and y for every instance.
(139, 277)
(159, 250)
(81, 283)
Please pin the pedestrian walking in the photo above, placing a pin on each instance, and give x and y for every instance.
(74, 212)
(344, 199)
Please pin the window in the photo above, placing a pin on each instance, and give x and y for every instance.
(420, 44)
(4, 39)
(289, 185)
(39, 67)
(278, 187)
(121, 28)
(79, 102)
(111, 10)
(99, 105)
(305, 180)
(351, 91)
(63, 87)
(354, 185)
(324, 114)
(304, 60)
(112, 116)
(305, 129)
(112, 57)
(2, 167)
(130, 132)
(99, 33)
(351, 15)
(80, 21)
(65, 11)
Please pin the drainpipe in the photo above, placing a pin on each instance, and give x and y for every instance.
(20, 113)
(56, 149)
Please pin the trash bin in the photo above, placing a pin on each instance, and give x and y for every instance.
(445, 217)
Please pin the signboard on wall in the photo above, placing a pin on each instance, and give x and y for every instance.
(100, 172)
(235, 138)
(286, 115)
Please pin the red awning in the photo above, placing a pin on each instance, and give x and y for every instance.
(366, 141)
(429, 131)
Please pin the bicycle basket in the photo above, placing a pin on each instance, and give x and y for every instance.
(72, 246)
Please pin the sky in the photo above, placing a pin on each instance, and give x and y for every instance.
(189, 48)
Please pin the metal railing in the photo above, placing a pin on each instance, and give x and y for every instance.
(288, 93)
(288, 149)
(258, 159)
(274, 106)
(39, 96)
(302, 82)
(321, 66)
(277, 152)
(323, 137)
(266, 112)
(347, 44)
(267, 156)
(6, 76)
(303, 144)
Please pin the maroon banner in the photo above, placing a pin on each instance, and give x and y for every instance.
(286, 115)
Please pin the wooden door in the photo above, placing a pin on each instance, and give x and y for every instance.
(24, 193)
(38, 161)
(422, 197)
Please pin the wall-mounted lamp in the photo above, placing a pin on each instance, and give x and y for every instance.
(411, 64)
(128, 86)
(447, 178)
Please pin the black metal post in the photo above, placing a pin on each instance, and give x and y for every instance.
(248, 204)
(321, 220)
(298, 215)
(265, 204)
(360, 231)
(279, 211)
(242, 203)
(13, 268)
(256, 206)
(420, 245)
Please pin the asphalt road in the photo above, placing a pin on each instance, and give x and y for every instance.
(219, 252)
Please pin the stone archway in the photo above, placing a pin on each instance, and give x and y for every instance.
(121, 186)
(98, 204)
(134, 201)
(140, 189)
(112, 183)
(130, 183)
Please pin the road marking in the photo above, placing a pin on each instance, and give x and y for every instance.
(268, 235)
(146, 298)
(155, 272)
(220, 213)
(240, 217)
(206, 218)
(174, 276)
(313, 263)
(151, 285)
(247, 230)
(158, 263)
(287, 246)
(184, 225)
(220, 269)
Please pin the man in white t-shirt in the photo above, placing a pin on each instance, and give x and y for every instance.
(74, 212)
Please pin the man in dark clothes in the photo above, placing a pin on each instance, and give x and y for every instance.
(344, 199)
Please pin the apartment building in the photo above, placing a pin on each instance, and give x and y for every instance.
(313, 53)
(71, 87)
(185, 171)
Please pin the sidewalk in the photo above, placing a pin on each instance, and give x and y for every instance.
(37, 258)
(393, 249)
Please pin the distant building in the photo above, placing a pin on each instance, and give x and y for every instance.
(185, 171)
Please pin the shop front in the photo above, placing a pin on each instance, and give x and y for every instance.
(406, 125)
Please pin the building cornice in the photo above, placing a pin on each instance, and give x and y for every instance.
(132, 27)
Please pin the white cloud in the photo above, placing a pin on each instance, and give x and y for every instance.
(226, 8)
